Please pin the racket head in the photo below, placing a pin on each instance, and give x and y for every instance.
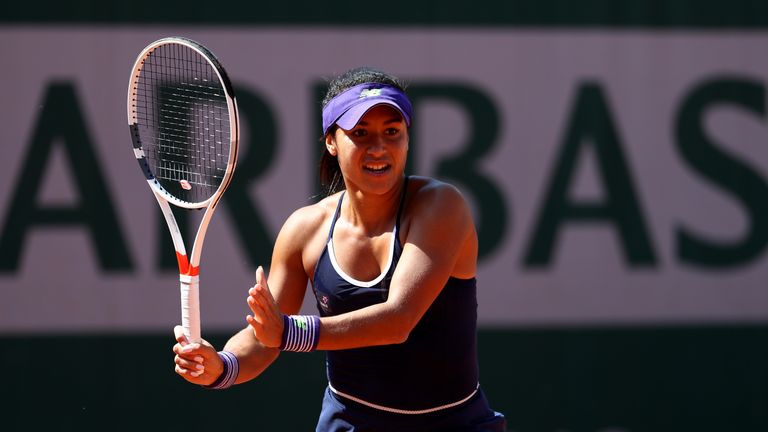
(183, 120)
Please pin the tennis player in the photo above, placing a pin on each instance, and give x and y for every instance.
(392, 262)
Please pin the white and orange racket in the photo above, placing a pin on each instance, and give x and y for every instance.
(184, 125)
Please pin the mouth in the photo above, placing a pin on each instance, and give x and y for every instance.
(377, 167)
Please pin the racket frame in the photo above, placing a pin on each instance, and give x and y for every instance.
(189, 266)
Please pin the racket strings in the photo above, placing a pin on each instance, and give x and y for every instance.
(183, 118)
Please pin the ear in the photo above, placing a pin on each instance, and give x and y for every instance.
(330, 144)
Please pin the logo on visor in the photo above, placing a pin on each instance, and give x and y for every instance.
(370, 93)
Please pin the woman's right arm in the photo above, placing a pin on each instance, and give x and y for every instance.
(252, 356)
(199, 363)
(288, 284)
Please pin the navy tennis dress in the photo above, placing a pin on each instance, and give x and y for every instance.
(427, 383)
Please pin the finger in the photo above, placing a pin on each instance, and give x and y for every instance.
(188, 351)
(263, 310)
(255, 307)
(195, 365)
(260, 325)
(178, 333)
(256, 326)
(189, 361)
(180, 370)
(256, 301)
(262, 295)
(259, 275)
(190, 348)
(261, 280)
(257, 293)
(186, 372)
(254, 323)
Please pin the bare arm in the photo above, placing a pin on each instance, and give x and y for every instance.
(289, 283)
(199, 363)
(430, 256)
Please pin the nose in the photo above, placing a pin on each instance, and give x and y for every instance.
(377, 146)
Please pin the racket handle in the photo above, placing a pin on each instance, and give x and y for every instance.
(190, 307)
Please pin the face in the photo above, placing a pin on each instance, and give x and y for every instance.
(372, 155)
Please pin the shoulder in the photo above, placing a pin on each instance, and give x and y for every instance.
(305, 222)
(430, 200)
(429, 195)
(301, 239)
(438, 220)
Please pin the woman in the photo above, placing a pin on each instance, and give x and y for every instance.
(392, 263)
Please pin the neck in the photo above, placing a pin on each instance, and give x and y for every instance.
(372, 213)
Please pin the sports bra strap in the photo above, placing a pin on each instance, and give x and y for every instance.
(399, 210)
(402, 204)
(335, 217)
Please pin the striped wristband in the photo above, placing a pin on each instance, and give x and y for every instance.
(231, 370)
(300, 333)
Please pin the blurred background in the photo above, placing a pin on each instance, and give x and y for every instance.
(615, 155)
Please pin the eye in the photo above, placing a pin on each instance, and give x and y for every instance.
(392, 131)
(359, 132)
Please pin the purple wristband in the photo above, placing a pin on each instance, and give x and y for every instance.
(229, 375)
(300, 333)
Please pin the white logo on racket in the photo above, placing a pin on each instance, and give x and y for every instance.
(185, 184)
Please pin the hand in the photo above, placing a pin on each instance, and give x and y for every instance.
(267, 320)
(197, 363)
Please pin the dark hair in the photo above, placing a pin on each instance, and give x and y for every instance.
(331, 180)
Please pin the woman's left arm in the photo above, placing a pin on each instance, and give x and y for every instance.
(441, 233)
(441, 240)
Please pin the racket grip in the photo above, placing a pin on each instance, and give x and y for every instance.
(190, 307)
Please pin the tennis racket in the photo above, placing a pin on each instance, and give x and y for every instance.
(183, 121)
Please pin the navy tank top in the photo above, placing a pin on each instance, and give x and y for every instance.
(435, 368)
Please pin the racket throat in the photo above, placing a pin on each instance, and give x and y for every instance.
(185, 268)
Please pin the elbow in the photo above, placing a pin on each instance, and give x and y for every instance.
(398, 337)
(394, 323)
(398, 333)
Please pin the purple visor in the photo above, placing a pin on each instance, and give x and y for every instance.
(347, 108)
